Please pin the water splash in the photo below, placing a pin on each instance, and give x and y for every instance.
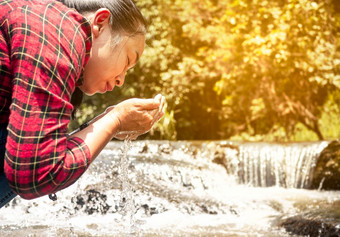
(127, 203)
(180, 192)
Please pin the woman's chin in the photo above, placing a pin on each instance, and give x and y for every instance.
(86, 91)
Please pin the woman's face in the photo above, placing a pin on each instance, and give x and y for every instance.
(108, 64)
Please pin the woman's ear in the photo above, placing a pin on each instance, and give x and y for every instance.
(100, 20)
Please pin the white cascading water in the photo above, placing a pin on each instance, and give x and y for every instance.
(161, 188)
(280, 165)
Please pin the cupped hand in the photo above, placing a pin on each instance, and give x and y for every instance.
(137, 116)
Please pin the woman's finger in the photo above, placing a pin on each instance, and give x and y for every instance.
(148, 104)
(162, 104)
(158, 97)
(155, 116)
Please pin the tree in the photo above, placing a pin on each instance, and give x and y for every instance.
(278, 61)
(229, 67)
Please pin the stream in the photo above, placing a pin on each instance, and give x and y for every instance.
(186, 188)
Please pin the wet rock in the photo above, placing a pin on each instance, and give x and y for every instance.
(151, 210)
(53, 197)
(219, 158)
(144, 149)
(226, 155)
(327, 172)
(166, 148)
(91, 202)
(209, 210)
(308, 227)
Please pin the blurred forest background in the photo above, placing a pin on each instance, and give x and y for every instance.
(250, 70)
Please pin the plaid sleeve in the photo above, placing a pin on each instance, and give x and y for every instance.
(49, 45)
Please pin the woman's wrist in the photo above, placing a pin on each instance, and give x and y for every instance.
(86, 124)
(114, 119)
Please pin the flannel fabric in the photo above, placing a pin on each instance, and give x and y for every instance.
(44, 47)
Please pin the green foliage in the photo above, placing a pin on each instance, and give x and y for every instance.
(238, 69)
(276, 61)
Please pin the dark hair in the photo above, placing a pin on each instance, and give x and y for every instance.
(125, 16)
(126, 19)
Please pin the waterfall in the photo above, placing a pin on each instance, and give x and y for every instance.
(174, 189)
(288, 165)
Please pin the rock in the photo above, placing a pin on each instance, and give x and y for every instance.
(327, 171)
(299, 225)
(145, 148)
(149, 211)
(226, 154)
(91, 202)
(166, 148)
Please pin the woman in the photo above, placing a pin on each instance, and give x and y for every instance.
(50, 53)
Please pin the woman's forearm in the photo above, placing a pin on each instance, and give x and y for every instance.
(97, 133)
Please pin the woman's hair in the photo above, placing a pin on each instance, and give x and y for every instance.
(125, 17)
(125, 20)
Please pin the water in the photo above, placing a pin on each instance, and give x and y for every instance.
(288, 165)
(127, 204)
(177, 190)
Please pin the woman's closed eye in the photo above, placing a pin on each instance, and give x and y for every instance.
(128, 63)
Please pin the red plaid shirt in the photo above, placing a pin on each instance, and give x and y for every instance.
(44, 47)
